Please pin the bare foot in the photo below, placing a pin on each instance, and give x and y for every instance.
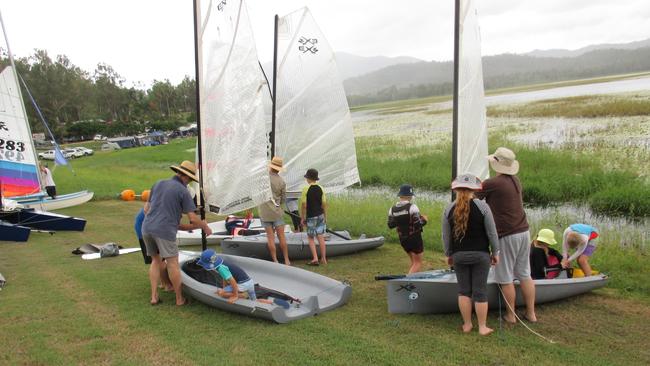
(485, 331)
(182, 303)
(509, 320)
(287, 263)
(466, 328)
(323, 261)
(531, 318)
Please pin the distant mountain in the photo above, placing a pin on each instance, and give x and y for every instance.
(353, 65)
(423, 79)
(581, 51)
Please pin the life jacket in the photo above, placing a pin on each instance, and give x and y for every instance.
(401, 218)
(234, 222)
(552, 263)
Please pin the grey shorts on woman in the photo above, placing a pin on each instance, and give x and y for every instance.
(155, 245)
(472, 268)
(514, 259)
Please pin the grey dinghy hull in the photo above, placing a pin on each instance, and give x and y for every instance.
(436, 291)
(298, 245)
(219, 232)
(316, 292)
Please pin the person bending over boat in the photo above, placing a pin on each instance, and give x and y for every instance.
(169, 199)
(471, 244)
(406, 218)
(313, 213)
(504, 195)
(581, 238)
(235, 281)
(545, 262)
(271, 213)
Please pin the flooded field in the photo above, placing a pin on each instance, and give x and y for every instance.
(631, 233)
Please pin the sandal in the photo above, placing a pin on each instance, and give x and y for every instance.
(312, 263)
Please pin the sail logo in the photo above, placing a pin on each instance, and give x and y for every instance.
(221, 5)
(308, 45)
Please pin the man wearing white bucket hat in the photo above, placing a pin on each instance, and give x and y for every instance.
(503, 193)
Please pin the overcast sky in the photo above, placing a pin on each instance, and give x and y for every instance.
(145, 40)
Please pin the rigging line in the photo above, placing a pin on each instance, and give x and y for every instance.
(42, 118)
(521, 321)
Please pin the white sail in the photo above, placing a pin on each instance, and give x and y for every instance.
(231, 90)
(472, 144)
(19, 174)
(313, 126)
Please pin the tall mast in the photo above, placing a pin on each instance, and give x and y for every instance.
(454, 140)
(22, 104)
(275, 76)
(197, 63)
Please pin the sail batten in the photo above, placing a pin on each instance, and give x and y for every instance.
(313, 124)
(233, 125)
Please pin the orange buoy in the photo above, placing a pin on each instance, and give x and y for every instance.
(145, 195)
(128, 195)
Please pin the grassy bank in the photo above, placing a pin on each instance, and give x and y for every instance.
(585, 106)
(60, 310)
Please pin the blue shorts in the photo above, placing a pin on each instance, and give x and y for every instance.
(316, 226)
(248, 286)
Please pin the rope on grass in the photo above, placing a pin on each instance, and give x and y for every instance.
(519, 319)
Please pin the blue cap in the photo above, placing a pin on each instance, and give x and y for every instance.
(406, 190)
(210, 260)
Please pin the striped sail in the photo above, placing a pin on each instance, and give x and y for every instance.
(18, 168)
(233, 127)
(472, 144)
(313, 125)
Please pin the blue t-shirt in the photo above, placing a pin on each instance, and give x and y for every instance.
(168, 200)
(227, 270)
(139, 218)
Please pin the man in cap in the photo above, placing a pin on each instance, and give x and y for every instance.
(168, 200)
(503, 193)
(271, 213)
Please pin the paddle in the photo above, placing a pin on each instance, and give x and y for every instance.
(328, 230)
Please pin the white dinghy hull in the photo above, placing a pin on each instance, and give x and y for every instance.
(434, 292)
(317, 293)
(298, 245)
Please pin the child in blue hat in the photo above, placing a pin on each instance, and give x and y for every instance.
(406, 218)
(235, 280)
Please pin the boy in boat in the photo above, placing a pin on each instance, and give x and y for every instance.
(406, 218)
(313, 214)
(581, 238)
(235, 281)
(545, 262)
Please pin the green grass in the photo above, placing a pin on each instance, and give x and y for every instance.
(60, 310)
(586, 106)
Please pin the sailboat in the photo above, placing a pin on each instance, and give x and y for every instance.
(18, 172)
(234, 174)
(18, 160)
(437, 291)
(311, 128)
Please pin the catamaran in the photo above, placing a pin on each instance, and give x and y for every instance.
(21, 180)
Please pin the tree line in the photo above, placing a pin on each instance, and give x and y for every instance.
(77, 103)
(424, 79)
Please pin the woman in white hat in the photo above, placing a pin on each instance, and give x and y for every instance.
(471, 245)
(545, 262)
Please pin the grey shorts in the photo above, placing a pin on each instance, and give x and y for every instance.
(155, 245)
(514, 258)
(273, 224)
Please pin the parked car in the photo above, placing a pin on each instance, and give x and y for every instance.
(83, 150)
(71, 153)
(46, 155)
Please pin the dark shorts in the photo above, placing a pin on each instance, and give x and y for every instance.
(412, 244)
(51, 191)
